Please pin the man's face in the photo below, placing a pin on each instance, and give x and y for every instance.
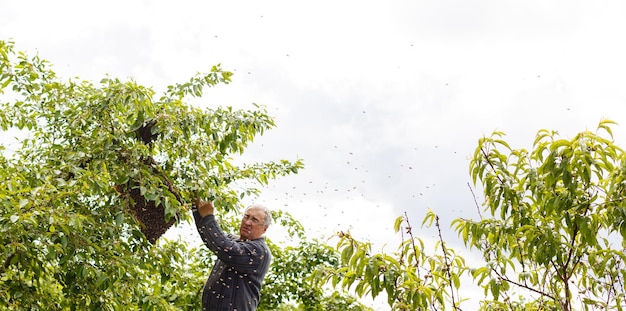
(252, 226)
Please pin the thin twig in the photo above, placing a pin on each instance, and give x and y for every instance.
(475, 200)
(491, 165)
(504, 278)
(417, 261)
(445, 260)
(402, 243)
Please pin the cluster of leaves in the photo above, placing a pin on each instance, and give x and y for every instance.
(558, 224)
(411, 278)
(68, 239)
(554, 238)
(288, 286)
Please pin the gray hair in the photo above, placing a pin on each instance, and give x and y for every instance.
(265, 210)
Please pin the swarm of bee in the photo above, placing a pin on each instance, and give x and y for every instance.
(147, 213)
(150, 215)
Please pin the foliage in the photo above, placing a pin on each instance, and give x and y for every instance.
(287, 284)
(98, 157)
(69, 240)
(555, 238)
(557, 224)
(411, 278)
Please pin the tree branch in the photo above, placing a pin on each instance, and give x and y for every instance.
(445, 260)
(417, 261)
(506, 279)
(491, 165)
(475, 201)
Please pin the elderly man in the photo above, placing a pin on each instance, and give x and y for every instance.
(235, 280)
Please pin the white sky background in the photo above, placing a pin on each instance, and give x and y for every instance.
(384, 100)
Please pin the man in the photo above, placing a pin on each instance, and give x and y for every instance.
(235, 280)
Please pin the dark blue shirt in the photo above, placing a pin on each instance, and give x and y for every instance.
(235, 280)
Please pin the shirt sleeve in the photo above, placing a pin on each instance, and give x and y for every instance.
(245, 256)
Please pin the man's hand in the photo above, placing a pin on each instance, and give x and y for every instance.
(204, 207)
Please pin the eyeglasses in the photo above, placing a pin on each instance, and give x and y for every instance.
(254, 220)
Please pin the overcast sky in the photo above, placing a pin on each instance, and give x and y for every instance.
(384, 100)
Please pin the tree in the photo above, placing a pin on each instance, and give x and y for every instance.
(554, 237)
(558, 221)
(104, 170)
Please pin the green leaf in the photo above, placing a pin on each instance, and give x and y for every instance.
(455, 280)
(398, 223)
(101, 279)
(139, 121)
(347, 253)
(119, 219)
(495, 289)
